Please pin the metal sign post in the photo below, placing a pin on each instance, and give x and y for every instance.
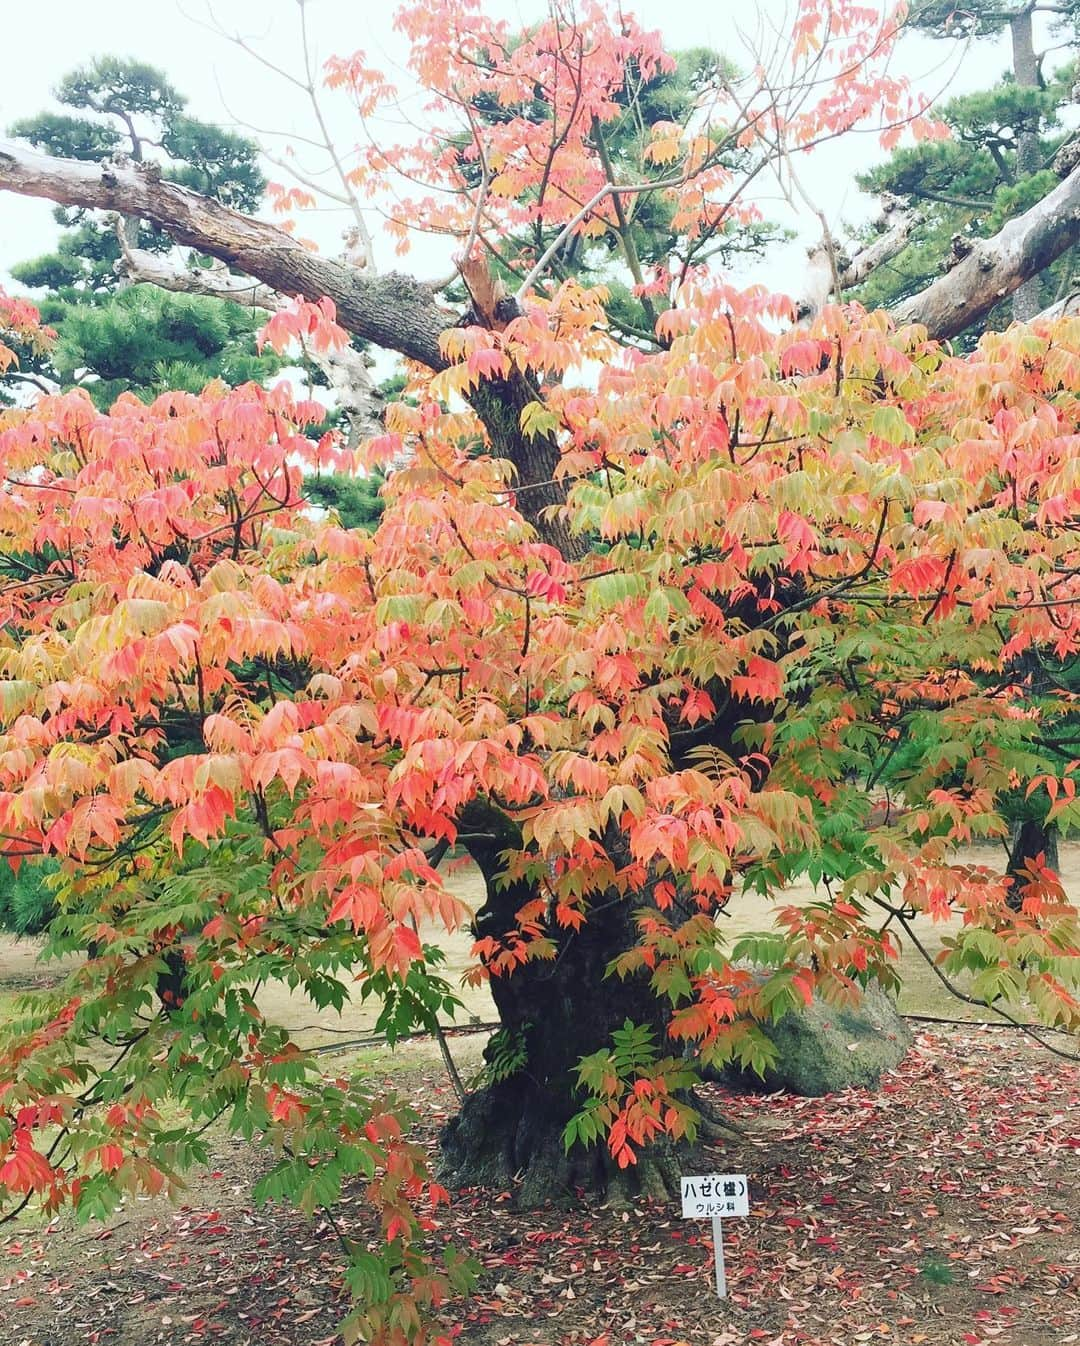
(714, 1195)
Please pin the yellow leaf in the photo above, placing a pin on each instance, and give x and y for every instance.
(536, 419)
(664, 151)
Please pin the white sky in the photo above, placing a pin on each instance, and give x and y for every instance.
(225, 85)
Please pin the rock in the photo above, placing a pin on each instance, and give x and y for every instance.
(824, 1048)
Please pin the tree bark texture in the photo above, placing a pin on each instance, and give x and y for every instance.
(553, 1012)
(1027, 300)
(997, 266)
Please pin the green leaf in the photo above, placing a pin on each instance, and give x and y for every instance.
(369, 1278)
(536, 419)
(891, 425)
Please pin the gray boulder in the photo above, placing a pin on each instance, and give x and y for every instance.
(822, 1048)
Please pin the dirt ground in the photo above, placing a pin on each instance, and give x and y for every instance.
(942, 1210)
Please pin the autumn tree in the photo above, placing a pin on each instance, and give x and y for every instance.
(618, 258)
(1011, 144)
(642, 622)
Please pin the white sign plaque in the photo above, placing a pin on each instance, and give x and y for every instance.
(715, 1194)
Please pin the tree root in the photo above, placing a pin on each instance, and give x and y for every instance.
(493, 1143)
(713, 1125)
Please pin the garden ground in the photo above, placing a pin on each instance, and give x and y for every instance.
(943, 1209)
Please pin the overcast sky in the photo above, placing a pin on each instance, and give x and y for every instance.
(226, 85)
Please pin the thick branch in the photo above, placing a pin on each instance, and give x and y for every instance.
(217, 281)
(349, 374)
(393, 311)
(998, 266)
(346, 370)
(899, 224)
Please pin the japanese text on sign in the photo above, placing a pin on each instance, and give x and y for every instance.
(715, 1194)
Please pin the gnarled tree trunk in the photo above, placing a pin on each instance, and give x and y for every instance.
(552, 1012)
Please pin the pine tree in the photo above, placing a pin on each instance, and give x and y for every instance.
(356, 501)
(1010, 145)
(27, 902)
(113, 335)
(646, 234)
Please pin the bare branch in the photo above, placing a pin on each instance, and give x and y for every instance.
(307, 180)
(364, 253)
(482, 190)
(365, 249)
